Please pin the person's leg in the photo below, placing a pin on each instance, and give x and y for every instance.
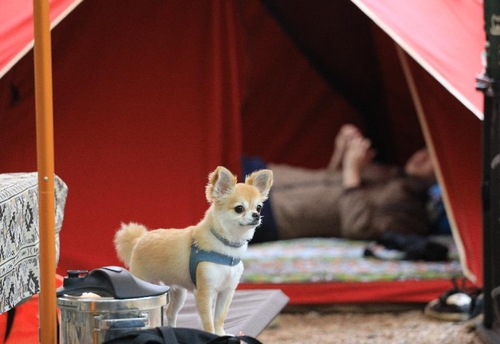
(357, 156)
(346, 133)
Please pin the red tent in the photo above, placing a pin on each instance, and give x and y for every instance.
(150, 97)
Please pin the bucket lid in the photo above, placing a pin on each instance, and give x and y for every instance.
(109, 281)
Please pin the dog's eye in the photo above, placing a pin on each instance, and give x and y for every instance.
(259, 208)
(238, 209)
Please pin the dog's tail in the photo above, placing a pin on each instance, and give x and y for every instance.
(126, 238)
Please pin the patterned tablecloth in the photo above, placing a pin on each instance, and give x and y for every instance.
(19, 235)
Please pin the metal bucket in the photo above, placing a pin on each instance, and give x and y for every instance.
(92, 313)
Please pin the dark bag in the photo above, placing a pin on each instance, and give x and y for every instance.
(170, 335)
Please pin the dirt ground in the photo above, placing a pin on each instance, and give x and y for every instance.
(355, 326)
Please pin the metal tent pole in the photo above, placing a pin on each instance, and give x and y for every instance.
(488, 83)
(45, 161)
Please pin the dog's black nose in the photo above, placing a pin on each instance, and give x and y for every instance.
(256, 215)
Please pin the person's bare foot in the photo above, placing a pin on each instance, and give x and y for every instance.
(346, 133)
(357, 155)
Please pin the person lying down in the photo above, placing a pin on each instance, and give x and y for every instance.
(353, 197)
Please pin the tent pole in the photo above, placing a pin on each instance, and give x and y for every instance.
(45, 162)
(486, 195)
(488, 83)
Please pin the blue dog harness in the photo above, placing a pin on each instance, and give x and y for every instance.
(198, 255)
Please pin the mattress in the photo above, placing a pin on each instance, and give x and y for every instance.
(333, 270)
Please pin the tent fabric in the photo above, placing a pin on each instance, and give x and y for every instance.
(354, 292)
(340, 80)
(460, 171)
(16, 28)
(148, 99)
(138, 129)
(444, 38)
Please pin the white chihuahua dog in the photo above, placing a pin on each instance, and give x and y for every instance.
(205, 258)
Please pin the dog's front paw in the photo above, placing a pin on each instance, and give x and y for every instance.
(220, 332)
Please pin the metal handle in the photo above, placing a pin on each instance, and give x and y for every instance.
(121, 323)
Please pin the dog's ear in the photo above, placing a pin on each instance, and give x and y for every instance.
(262, 180)
(220, 183)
